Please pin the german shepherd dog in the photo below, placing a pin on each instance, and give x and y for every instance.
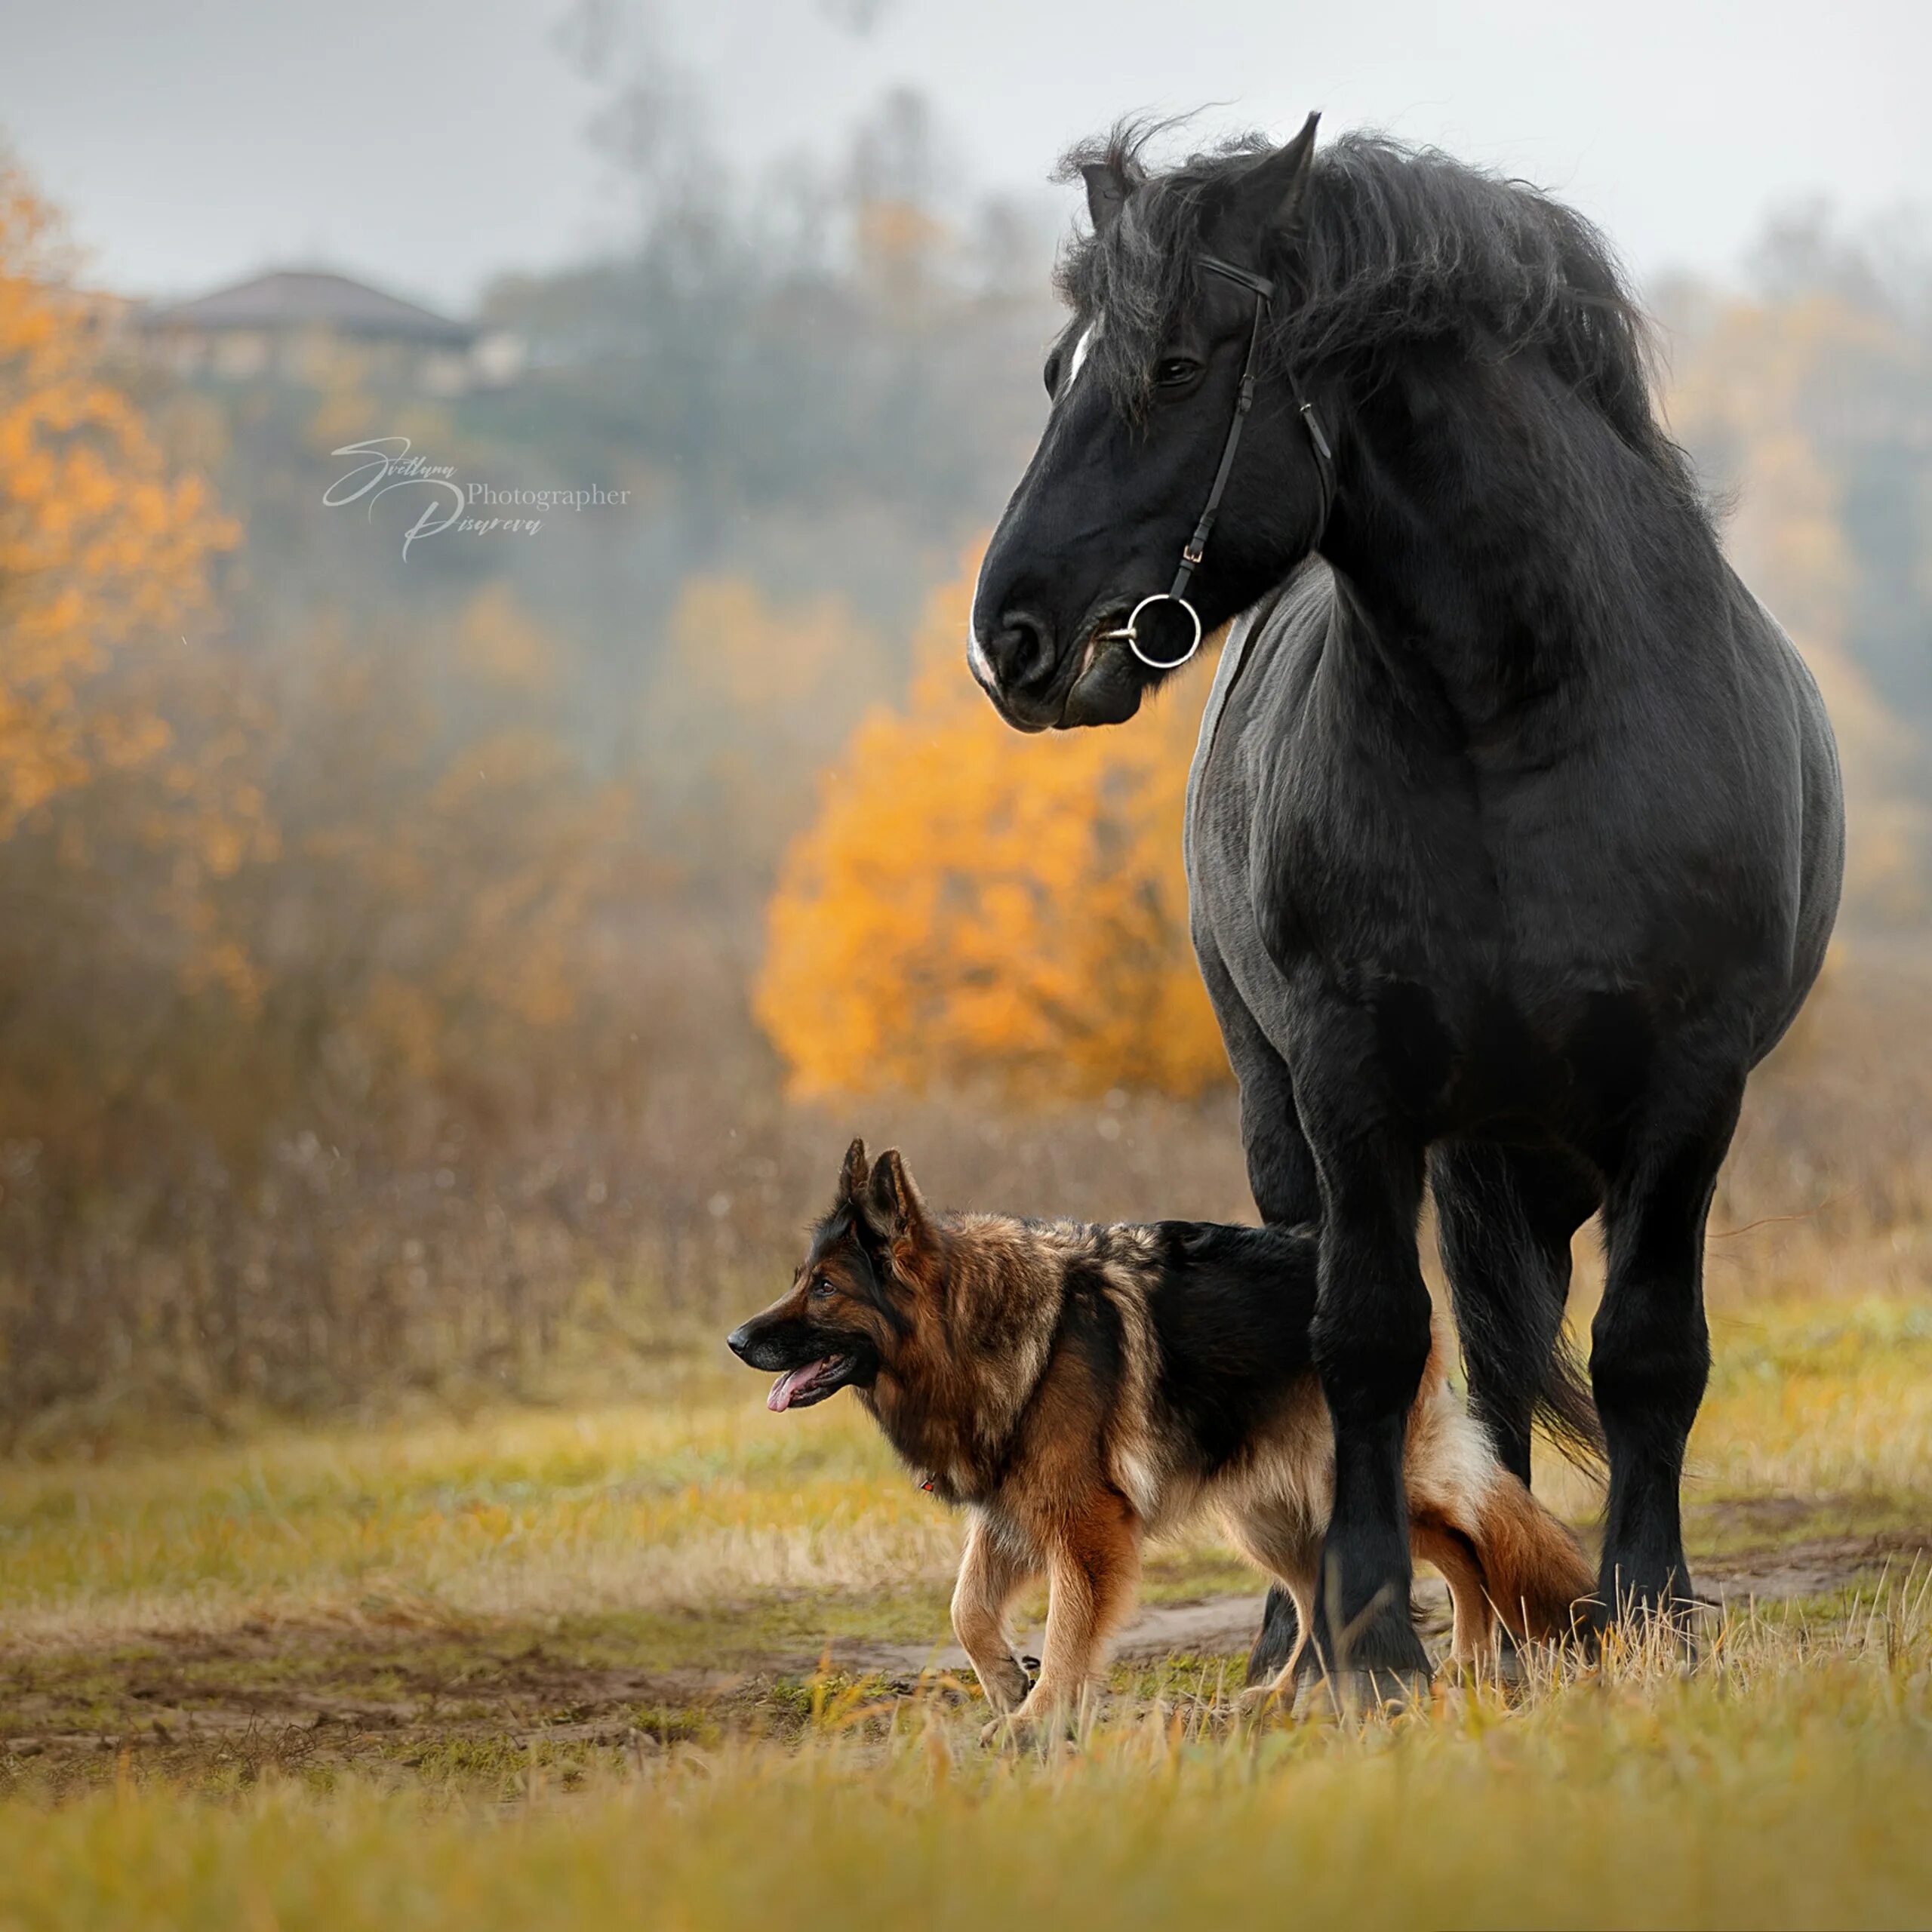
(1079, 1388)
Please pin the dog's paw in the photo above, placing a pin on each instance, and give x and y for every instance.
(1005, 1734)
(1026, 1730)
(1006, 1685)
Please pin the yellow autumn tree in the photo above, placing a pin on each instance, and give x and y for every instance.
(102, 550)
(970, 905)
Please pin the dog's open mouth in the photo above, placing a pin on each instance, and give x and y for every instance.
(799, 1388)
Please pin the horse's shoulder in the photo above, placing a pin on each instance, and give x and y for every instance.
(1266, 637)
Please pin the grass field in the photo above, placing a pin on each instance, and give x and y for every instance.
(567, 1668)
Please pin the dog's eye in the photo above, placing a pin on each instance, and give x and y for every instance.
(821, 1287)
(1173, 371)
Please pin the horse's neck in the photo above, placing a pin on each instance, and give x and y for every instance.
(1495, 541)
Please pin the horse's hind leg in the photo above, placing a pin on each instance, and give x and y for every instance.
(1504, 1220)
(1651, 1349)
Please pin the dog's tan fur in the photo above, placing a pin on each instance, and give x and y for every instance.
(1067, 1471)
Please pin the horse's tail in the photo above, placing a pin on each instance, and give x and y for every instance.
(1509, 1344)
(1565, 1408)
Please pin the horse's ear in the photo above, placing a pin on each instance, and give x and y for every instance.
(853, 1177)
(1106, 193)
(893, 1202)
(1270, 194)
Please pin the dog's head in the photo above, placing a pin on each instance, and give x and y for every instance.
(854, 1302)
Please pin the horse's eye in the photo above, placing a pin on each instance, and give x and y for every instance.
(1050, 375)
(1174, 371)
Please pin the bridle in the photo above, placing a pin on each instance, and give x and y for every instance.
(1263, 291)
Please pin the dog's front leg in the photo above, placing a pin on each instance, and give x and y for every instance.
(990, 1576)
(1092, 1568)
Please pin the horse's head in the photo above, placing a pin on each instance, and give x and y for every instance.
(1146, 382)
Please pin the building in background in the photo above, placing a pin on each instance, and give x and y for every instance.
(293, 323)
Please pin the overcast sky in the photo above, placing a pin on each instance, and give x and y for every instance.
(430, 143)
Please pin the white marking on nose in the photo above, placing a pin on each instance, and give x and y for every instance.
(976, 659)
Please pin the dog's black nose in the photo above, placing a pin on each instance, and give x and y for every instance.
(739, 1340)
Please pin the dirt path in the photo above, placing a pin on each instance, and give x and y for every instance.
(1225, 1626)
(419, 1703)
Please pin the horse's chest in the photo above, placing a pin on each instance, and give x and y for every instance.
(1406, 929)
(1349, 876)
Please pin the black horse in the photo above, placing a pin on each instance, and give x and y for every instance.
(1514, 833)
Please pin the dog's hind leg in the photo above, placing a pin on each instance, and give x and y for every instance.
(1289, 1548)
(990, 1577)
(1472, 1638)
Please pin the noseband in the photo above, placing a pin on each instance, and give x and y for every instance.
(1263, 291)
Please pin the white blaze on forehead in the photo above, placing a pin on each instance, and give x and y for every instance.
(1079, 349)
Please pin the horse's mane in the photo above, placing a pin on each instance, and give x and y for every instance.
(1395, 246)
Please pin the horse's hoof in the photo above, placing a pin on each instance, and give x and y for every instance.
(1336, 1696)
(1507, 1667)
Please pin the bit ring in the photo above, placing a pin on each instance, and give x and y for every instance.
(1130, 631)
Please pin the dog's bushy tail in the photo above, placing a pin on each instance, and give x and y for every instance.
(1534, 1569)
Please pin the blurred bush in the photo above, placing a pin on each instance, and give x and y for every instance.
(972, 908)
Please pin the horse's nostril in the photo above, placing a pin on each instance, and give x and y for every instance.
(1022, 653)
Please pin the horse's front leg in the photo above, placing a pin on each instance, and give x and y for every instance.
(1282, 1177)
(1371, 1342)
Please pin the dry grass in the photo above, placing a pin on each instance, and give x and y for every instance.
(491, 1754)
(1785, 1782)
(701, 1499)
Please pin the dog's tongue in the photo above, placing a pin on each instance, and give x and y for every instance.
(794, 1383)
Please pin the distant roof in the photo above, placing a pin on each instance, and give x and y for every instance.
(296, 298)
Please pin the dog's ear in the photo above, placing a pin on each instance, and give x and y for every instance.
(893, 1205)
(854, 1175)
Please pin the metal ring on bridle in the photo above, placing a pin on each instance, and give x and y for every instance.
(1130, 631)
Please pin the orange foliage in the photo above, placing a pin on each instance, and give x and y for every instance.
(102, 551)
(971, 906)
(361, 878)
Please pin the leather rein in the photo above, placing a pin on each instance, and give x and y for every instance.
(1263, 292)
